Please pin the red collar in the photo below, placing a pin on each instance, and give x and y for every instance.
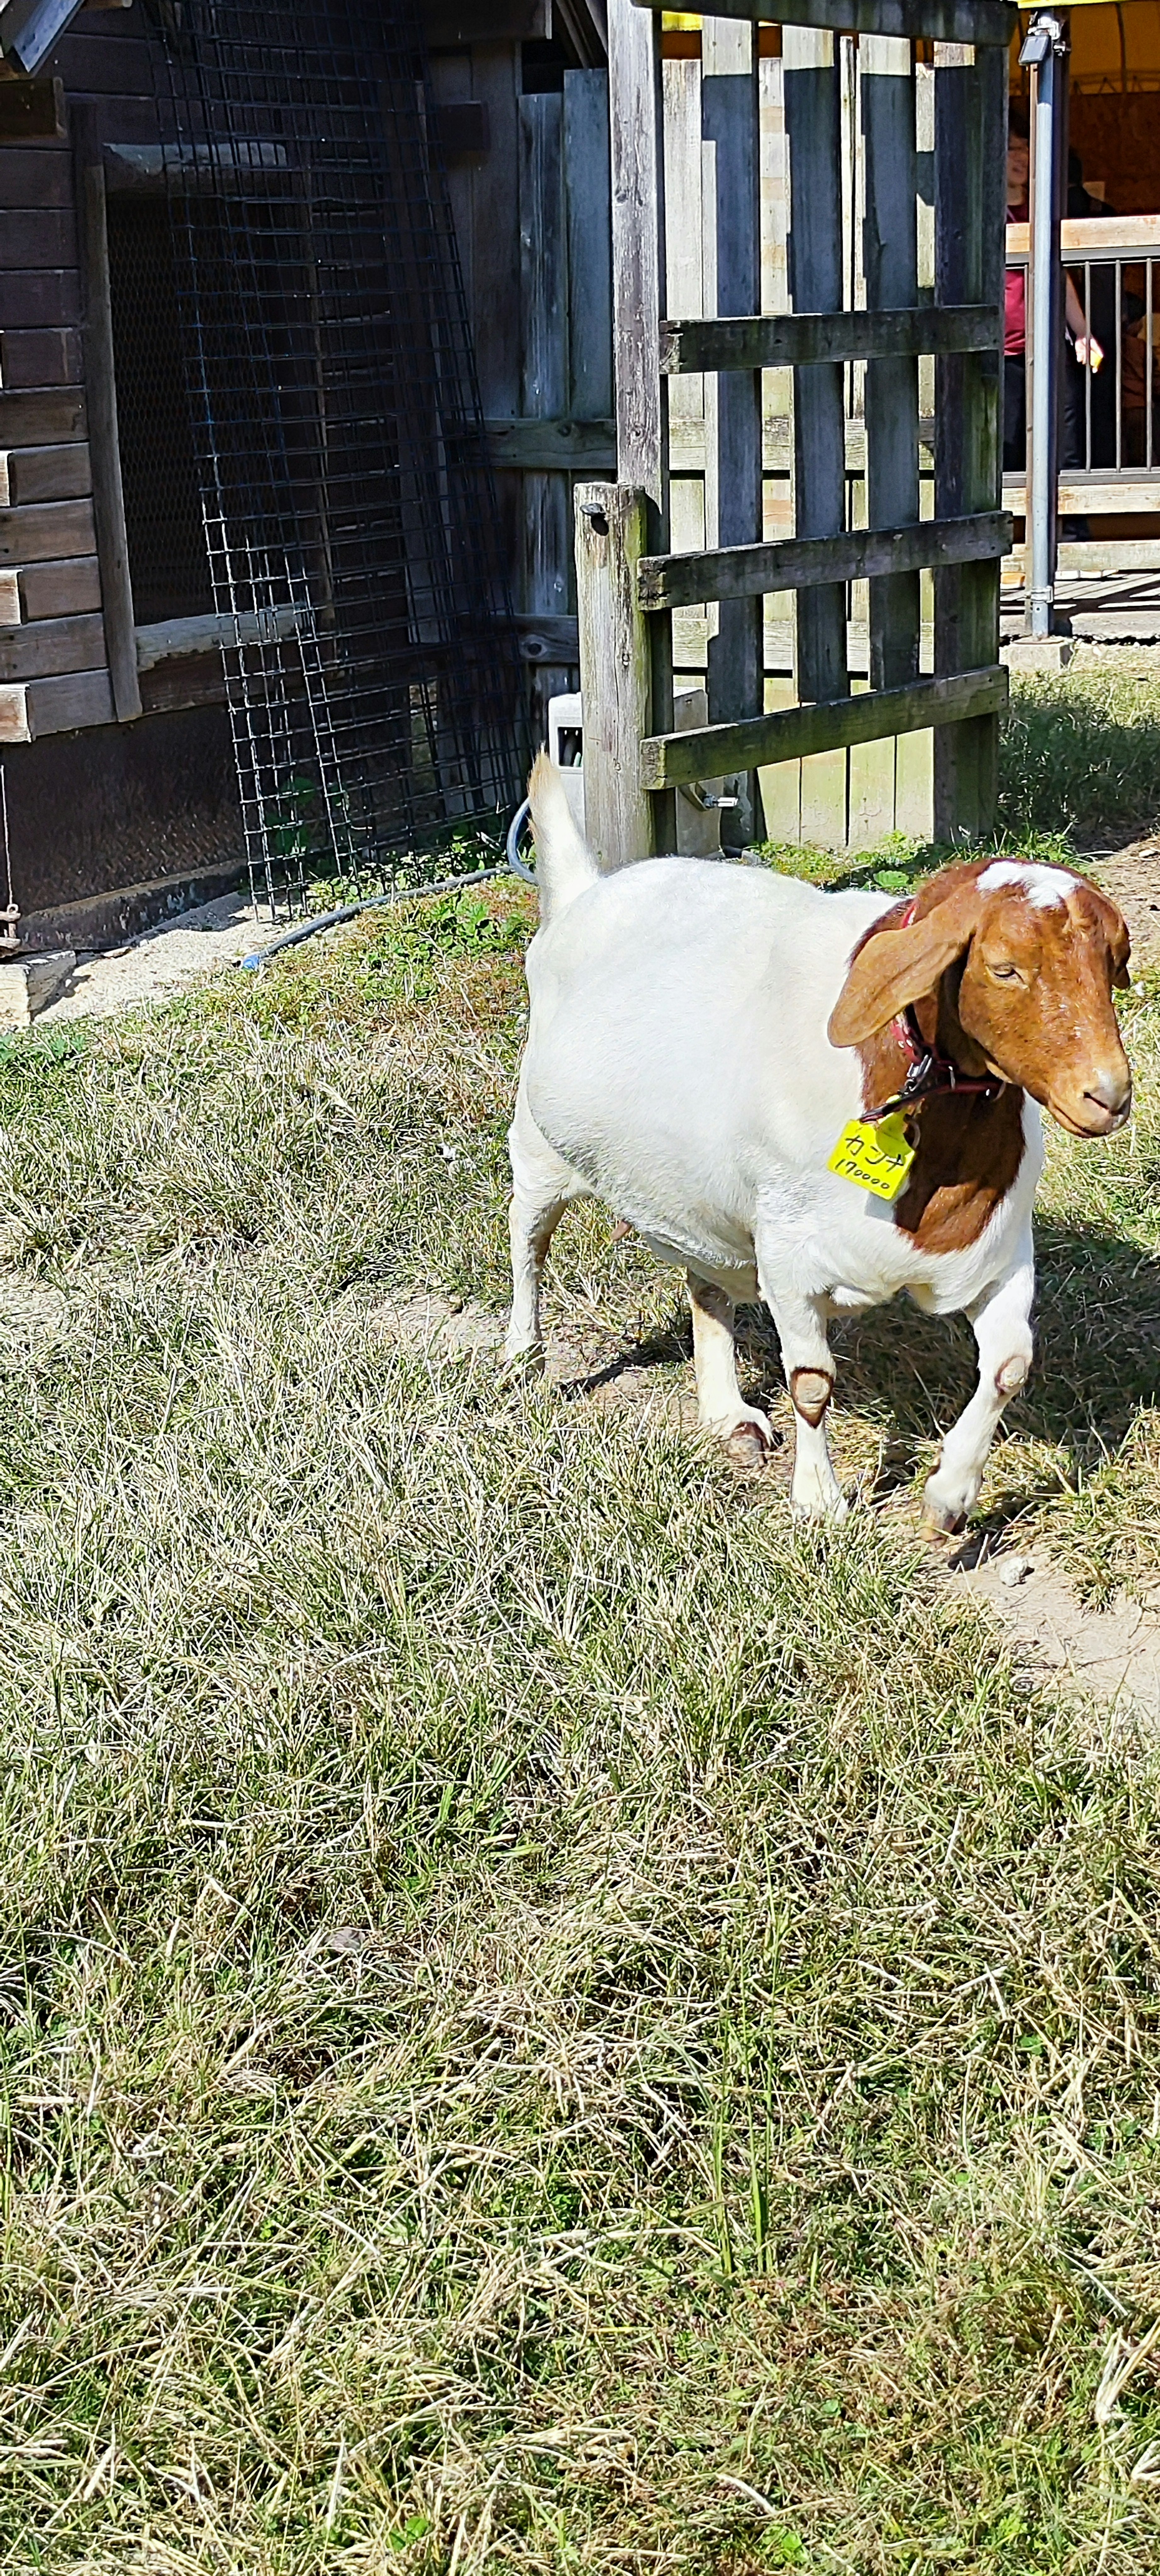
(932, 1075)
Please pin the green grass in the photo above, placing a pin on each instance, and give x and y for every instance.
(552, 2020)
(1079, 770)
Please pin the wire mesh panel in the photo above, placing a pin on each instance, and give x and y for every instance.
(371, 663)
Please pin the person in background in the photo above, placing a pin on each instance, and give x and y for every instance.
(1088, 352)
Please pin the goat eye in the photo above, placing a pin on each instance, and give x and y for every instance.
(1006, 974)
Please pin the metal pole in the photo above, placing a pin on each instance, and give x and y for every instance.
(1045, 48)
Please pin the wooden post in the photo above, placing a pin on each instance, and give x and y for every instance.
(729, 124)
(970, 91)
(638, 267)
(615, 677)
(108, 494)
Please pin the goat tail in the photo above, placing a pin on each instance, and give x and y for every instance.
(565, 866)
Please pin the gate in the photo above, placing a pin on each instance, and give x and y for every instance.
(866, 315)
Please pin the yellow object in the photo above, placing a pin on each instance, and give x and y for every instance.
(874, 1153)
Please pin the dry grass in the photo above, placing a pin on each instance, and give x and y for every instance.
(552, 2021)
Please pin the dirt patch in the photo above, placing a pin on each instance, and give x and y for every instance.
(1112, 1654)
(163, 961)
(1132, 878)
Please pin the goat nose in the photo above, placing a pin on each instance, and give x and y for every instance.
(1111, 1089)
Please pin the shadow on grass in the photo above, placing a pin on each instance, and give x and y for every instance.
(1097, 1330)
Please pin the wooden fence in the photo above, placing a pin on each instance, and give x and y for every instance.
(740, 420)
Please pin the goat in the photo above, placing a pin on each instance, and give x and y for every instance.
(703, 1036)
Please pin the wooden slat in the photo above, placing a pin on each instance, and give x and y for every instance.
(1094, 236)
(675, 759)
(813, 137)
(37, 236)
(178, 638)
(69, 705)
(108, 495)
(32, 111)
(58, 644)
(863, 554)
(31, 177)
(39, 357)
(42, 419)
(803, 339)
(587, 186)
(729, 125)
(547, 529)
(970, 169)
(38, 299)
(890, 265)
(68, 589)
(1094, 497)
(29, 474)
(52, 528)
(948, 22)
(637, 212)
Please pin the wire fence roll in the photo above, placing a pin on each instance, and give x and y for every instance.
(350, 523)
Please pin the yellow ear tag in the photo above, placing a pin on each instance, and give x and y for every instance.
(874, 1153)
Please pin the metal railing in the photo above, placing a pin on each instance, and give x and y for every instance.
(1110, 425)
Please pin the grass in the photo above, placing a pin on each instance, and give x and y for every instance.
(1079, 772)
(552, 2020)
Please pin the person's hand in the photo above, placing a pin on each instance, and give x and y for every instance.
(1089, 353)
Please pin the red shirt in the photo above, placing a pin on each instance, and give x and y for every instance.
(1015, 298)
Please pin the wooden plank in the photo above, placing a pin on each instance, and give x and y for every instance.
(59, 589)
(1093, 236)
(729, 125)
(195, 681)
(42, 419)
(948, 22)
(29, 474)
(59, 644)
(108, 495)
(1110, 555)
(813, 135)
(970, 167)
(69, 705)
(32, 177)
(39, 357)
(862, 554)
(669, 760)
(13, 716)
(587, 188)
(51, 528)
(37, 299)
(177, 639)
(615, 672)
(37, 237)
(804, 339)
(637, 248)
(545, 639)
(547, 517)
(890, 267)
(1095, 497)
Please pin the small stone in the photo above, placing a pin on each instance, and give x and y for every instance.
(1015, 1569)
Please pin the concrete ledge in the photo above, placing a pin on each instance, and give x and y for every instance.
(108, 920)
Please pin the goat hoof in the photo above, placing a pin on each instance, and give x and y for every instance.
(750, 1445)
(515, 1366)
(938, 1522)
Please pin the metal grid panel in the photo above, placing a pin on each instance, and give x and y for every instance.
(342, 456)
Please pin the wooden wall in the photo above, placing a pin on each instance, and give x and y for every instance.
(531, 214)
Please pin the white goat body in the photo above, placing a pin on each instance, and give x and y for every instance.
(678, 1068)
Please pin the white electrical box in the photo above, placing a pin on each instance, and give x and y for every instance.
(698, 807)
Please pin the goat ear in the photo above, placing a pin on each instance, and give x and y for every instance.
(898, 966)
